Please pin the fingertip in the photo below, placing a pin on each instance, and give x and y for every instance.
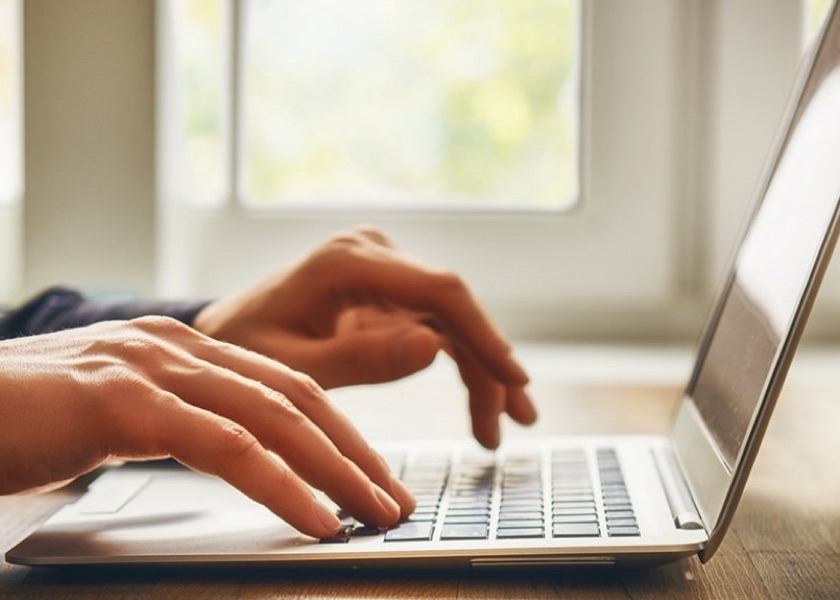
(329, 523)
(404, 497)
(391, 509)
(518, 375)
(520, 407)
(488, 436)
(415, 349)
(491, 442)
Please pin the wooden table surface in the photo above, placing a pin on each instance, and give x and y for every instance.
(784, 542)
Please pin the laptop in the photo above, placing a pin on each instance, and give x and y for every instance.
(594, 500)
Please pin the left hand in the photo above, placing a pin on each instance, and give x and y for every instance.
(358, 310)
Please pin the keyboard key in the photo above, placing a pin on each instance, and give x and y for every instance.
(410, 532)
(573, 505)
(522, 495)
(342, 537)
(590, 518)
(620, 514)
(339, 539)
(422, 516)
(521, 532)
(616, 499)
(512, 515)
(464, 532)
(571, 490)
(562, 498)
(520, 523)
(366, 531)
(469, 503)
(576, 530)
(622, 531)
(467, 512)
(565, 512)
(467, 520)
(527, 503)
(622, 523)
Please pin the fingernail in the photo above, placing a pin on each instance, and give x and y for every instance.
(327, 518)
(388, 504)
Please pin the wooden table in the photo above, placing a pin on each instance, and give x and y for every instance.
(784, 543)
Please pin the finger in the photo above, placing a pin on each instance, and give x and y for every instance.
(376, 235)
(519, 406)
(311, 400)
(392, 276)
(280, 426)
(212, 444)
(486, 399)
(412, 354)
(349, 441)
(368, 356)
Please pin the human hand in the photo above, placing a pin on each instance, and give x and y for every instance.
(153, 388)
(359, 310)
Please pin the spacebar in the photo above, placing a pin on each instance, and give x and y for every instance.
(411, 531)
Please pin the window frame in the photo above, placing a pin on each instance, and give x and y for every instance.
(644, 238)
(11, 214)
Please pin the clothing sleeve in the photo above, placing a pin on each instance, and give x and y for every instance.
(62, 308)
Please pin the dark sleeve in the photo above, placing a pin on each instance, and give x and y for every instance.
(62, 308)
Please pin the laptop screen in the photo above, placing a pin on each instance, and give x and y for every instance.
(775, 262)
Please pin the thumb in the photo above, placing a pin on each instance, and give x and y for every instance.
(374, 355)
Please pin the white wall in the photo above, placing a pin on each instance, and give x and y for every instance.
(89, 144)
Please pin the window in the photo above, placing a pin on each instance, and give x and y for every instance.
(11, 148)
(199, 91)
(611, 215)
(10, 102)
(815, 13)
(449, 103)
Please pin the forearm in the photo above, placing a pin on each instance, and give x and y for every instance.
(61, 308)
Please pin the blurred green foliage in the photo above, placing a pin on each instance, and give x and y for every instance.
(399, 103)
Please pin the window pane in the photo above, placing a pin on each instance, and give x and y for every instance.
(10, 100)
(200, 97)
(450, 103)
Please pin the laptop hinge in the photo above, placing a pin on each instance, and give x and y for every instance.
(679, 497)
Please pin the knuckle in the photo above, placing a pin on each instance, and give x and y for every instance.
(449, 282)
(280, 400)
(235, 441)
(309, 386)
(348, 238)
(372, 232)
(158, 325)
(146, 342)
(346, 244)
(309, 394)
(135, 417)
(285, 409)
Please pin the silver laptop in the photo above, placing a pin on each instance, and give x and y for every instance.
(555, 501)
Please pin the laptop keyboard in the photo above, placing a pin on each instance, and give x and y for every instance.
(522, 496)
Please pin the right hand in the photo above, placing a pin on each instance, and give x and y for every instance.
(153, 388)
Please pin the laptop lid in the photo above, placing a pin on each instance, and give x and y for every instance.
(751, 337)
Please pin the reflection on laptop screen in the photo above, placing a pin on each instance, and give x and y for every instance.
(772, 268)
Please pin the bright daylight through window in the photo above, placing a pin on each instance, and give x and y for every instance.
(417, 103)
(10, 121)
